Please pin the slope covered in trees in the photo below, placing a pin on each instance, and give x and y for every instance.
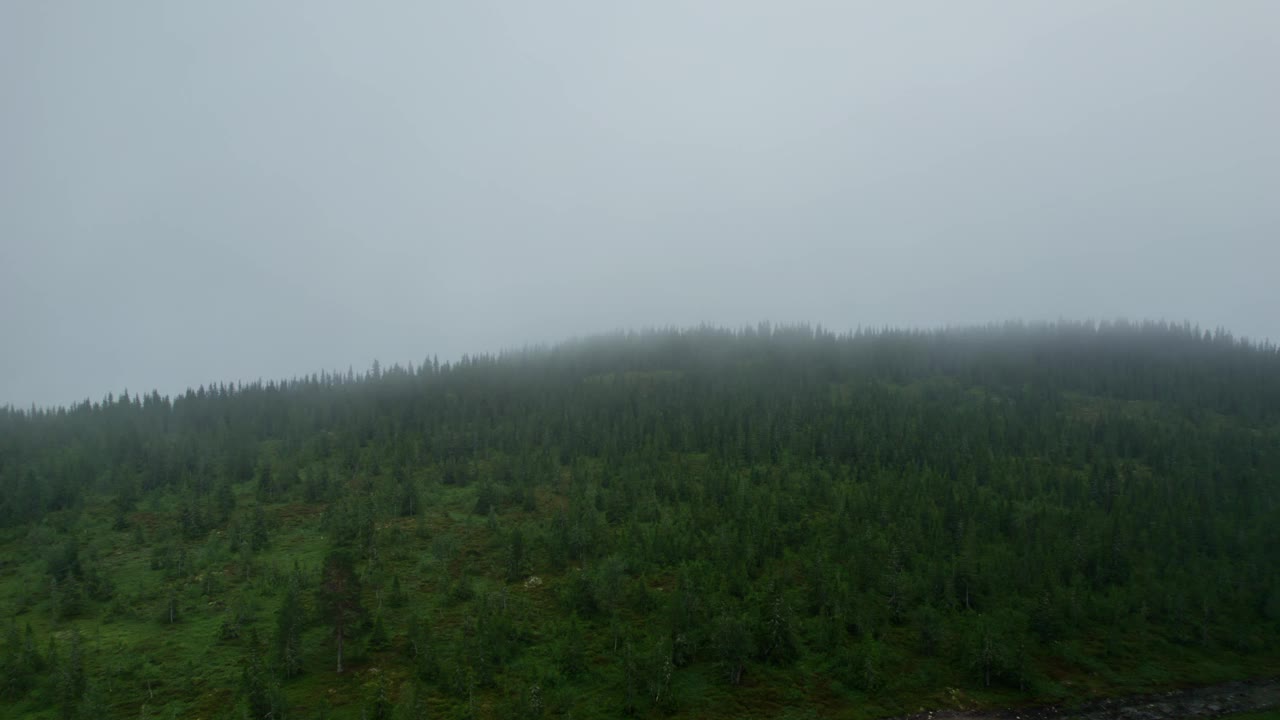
(772, 522)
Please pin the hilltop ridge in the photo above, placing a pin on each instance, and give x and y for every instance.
(765, 522)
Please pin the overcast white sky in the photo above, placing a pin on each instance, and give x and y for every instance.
(241, 189)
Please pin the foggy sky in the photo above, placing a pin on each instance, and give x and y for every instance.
(232, 190)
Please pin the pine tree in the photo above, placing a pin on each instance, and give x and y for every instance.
(261, 697)
(71, 680)
(339, 598)
(378, 639)
(288, 634)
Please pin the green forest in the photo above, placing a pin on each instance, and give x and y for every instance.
(771, 522)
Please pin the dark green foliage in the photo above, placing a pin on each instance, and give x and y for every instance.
(258, 533)
(378, 639)
(996, 646)
(97, 583)
(420, 650)
(379, 706)
(642, 522)
(570, 651)
(412, 704)
(730, 642)
(20, 662)
(580, 594)
(259, 693)
(339, 598)
(241, 615)
(647, 672)
(862, 665)
(172, 612)
(775, 636)
(515, 555)
(486, 499)
(64, 561)
(349, 522)
(70, 679)
(492, 631)
(66, 598)
(288, 650)
(396, 599)
(224, 502)
(929, 630)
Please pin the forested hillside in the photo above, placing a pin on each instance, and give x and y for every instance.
(774, 522)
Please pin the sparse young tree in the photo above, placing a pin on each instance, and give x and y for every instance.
(339, 598)
(288, 636)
